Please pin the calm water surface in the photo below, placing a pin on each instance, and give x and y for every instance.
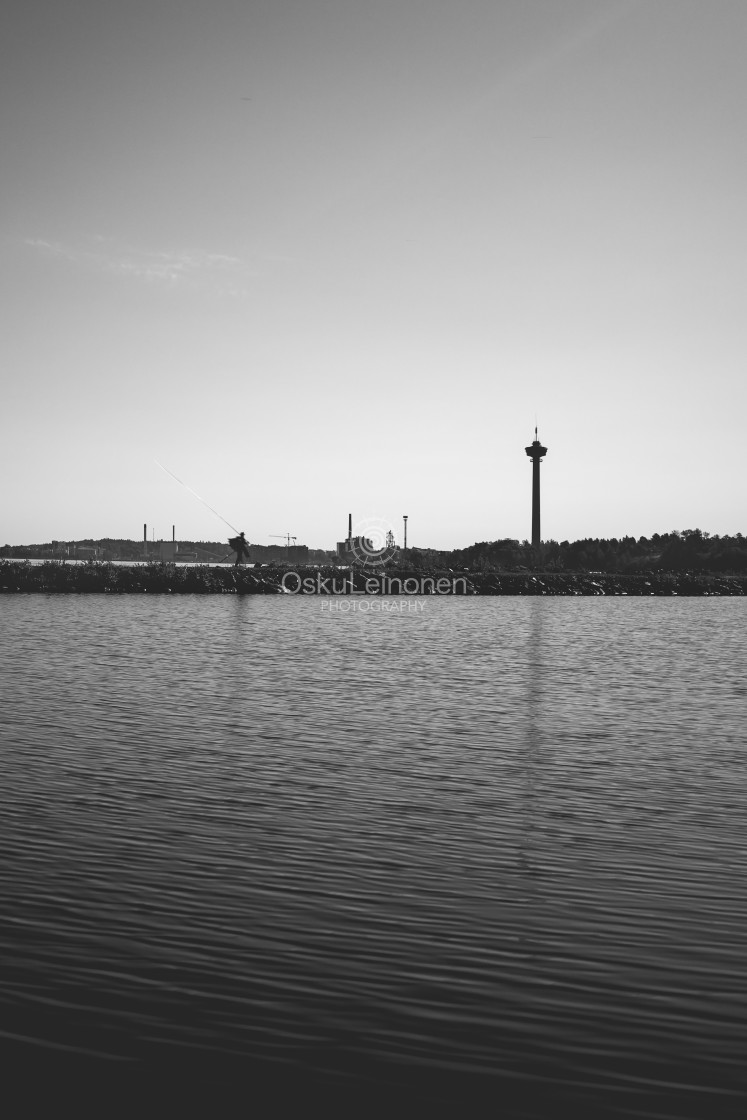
(469, 844)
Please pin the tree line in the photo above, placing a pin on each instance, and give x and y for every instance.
(678, 551)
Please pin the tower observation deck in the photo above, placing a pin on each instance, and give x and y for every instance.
(536, 453)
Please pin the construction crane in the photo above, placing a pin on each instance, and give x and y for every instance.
(287, 538)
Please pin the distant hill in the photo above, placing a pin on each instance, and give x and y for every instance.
(678, 551)
(206, 552)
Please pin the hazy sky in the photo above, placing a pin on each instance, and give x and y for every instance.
(321, 256)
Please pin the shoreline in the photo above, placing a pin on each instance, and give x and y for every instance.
(57, 577)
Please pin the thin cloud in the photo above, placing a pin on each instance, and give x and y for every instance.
(216, 272)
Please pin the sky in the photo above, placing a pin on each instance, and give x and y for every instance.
(320, 257)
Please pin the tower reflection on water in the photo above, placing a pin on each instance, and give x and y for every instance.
(528, 836)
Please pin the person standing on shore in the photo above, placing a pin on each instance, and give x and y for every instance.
(240, 546)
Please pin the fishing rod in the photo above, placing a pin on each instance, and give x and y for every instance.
(199, 499)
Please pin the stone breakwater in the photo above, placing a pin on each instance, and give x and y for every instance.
(57, 577)
(585, 583)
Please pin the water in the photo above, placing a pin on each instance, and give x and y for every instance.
(462, 846)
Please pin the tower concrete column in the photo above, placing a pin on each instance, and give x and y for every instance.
(536, 453)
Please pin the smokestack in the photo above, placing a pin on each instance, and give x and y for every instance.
(350, 526)
(173, 532)
(145, 533)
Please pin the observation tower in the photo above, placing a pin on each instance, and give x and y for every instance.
(536, 453)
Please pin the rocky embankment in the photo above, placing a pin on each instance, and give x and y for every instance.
(587, 583)
(57, 577)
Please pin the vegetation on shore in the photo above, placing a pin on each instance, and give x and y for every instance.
(58, 577)
(678, 551)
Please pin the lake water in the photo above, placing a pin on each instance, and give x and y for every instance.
(459, 846)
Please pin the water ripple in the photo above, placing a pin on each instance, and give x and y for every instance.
(500, 840)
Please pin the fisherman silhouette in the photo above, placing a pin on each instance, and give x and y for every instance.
(240, 547)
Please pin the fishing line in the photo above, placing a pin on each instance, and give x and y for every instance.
(199, 499)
